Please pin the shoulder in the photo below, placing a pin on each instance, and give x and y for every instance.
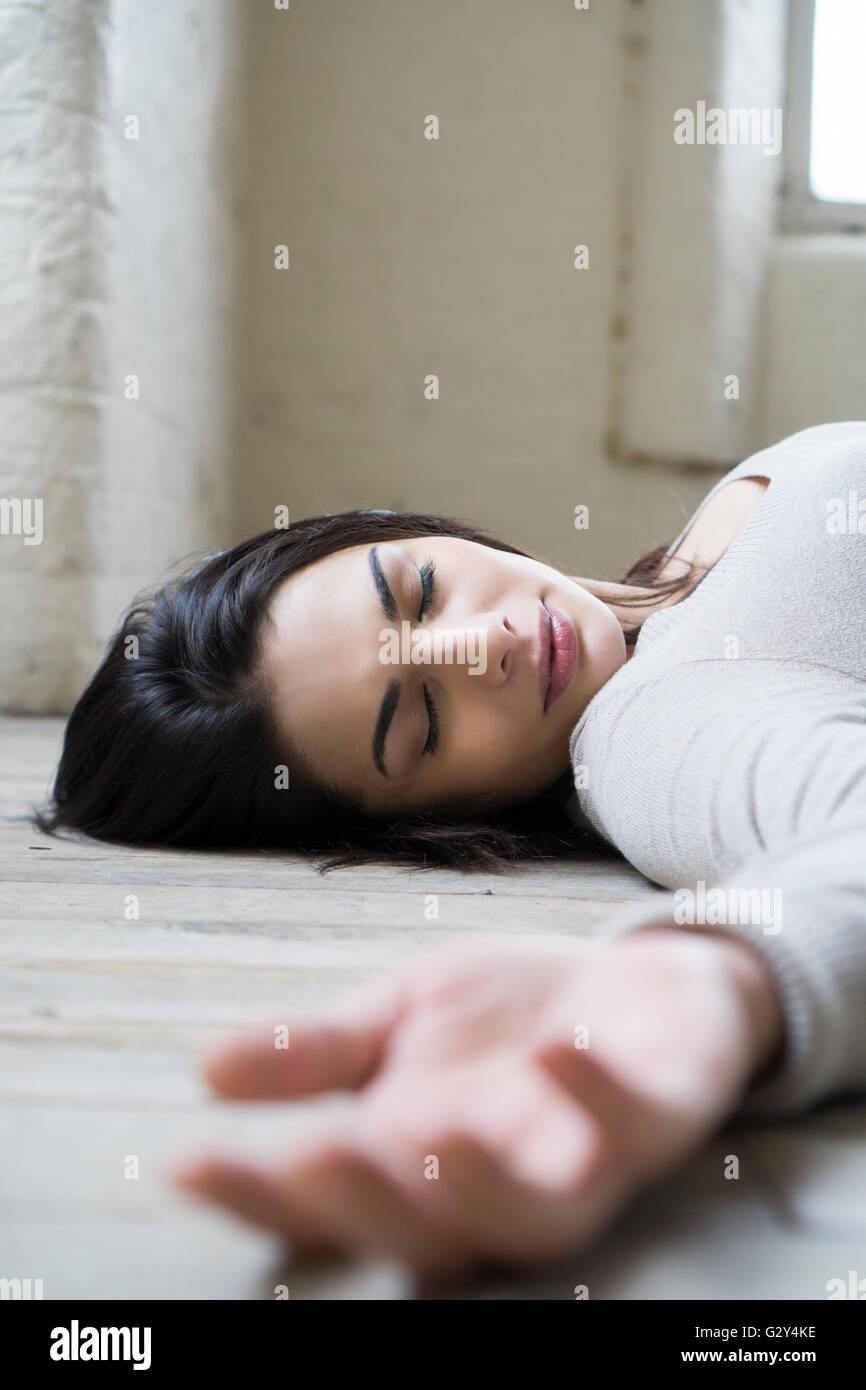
(688, 770)
(810, 452)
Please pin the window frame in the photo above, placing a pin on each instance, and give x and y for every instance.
(800, 210)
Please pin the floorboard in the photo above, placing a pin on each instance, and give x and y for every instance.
(118, 965)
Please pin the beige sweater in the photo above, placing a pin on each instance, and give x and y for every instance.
(729, 754)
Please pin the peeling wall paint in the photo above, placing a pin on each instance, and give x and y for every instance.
(120, 260)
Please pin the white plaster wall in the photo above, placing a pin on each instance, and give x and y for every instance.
(305, 387)
(814, 339)
(451, 257)
(703, 224)
(172, 247)
(119, 258)
(53, 365)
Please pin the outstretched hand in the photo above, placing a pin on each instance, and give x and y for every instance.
(508, 1100)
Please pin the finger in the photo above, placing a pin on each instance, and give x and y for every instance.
(367, 1210)
(647, 1131)
(339, 1050)
(500, 1214)
(582, 1076)
(513, 1185)
(250, 1191)
(616, 1110)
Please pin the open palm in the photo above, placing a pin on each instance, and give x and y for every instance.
(508, 1100)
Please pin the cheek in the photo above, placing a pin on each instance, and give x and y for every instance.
(490, 751)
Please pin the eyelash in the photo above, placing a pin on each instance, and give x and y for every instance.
(427, 572)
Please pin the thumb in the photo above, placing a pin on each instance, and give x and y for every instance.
(341, 1049)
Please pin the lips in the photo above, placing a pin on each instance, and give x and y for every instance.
(558, 654)
(544, 663)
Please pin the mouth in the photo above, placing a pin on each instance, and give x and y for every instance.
(557, 654)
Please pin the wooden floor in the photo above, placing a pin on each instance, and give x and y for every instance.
(101, 1017)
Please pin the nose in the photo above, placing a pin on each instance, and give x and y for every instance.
(501, 644)
(483, 651)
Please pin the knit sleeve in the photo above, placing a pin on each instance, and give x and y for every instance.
(803, 907)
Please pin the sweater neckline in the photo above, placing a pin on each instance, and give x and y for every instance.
(735, 557)
(746, 544)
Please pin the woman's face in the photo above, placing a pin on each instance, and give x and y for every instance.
(435, 673)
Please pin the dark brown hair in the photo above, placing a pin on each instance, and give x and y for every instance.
(173, 744)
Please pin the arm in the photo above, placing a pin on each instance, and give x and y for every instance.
(754, 982)
(810, 963)
(758, 784)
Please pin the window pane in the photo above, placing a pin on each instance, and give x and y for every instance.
(837, 166)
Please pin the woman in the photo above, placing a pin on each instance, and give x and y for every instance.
(719, 744)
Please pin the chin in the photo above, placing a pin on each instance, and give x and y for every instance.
(603, 656)
(604, 650)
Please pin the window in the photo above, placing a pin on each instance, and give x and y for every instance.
(825, 139)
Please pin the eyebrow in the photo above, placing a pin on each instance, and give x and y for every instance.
(383, 588)
(391, 698)
(387, 711)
